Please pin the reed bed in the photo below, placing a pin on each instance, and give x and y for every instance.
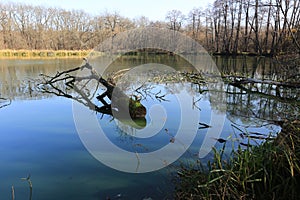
(268, 171)
(30, 54)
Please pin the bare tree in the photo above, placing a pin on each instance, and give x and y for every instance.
(194, 18)
(238, 28)
(230, 27)
(175, 20)
(141, 22)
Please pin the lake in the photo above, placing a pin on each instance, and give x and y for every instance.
(41, 132)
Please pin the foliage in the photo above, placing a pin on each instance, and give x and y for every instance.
(268, 171)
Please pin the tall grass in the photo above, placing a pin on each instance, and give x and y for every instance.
(268, 171)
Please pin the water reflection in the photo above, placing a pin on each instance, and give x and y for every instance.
(18, 78)
(257, 101)
(262, 68)
(266, 96)
(254, 106)
(50, 134)
(4, 102)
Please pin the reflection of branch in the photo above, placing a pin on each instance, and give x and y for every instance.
(12, 192)
(203, 125)
(30, 185)
(138, 162)
(263, 94)
(4, 103)
(160, 97)
(195, 102)
(244, 80)
(145, 90)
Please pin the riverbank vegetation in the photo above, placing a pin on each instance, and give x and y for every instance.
(268, 171)
(259, 27)
(31, 54)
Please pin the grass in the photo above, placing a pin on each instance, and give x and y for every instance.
(4, 54)
(268, 171)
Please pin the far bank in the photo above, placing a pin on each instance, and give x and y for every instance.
(31, 54)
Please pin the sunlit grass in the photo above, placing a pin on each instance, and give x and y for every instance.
(268, 171)
(43, 54)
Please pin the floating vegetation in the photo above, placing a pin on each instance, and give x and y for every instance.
(156, 76)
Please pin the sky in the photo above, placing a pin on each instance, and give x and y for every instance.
(153, 9)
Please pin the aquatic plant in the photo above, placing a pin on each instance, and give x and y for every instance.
(268, 171)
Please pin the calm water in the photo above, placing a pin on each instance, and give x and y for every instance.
(39, 137)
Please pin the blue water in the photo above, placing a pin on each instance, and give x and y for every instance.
(38, 137)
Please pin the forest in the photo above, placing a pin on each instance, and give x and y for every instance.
(257, 154)
(259, 27)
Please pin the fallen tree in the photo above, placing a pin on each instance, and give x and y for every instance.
(74, 85)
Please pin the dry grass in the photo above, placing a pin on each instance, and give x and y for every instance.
(30, 54)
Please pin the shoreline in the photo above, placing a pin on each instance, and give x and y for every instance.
(54, 54)
(42, 54)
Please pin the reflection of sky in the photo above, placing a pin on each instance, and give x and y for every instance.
(38, 137)
(170, 125)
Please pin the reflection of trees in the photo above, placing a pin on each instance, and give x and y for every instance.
(251, 105)
(262, 68)
(267, 92)
(18, 77)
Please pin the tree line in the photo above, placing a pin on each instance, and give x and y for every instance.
(227, 26)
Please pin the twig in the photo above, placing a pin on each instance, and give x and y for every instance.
(12, 192)
(139, 162)
(30, 186)
(203, 126)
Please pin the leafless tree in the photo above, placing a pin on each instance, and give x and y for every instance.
(228, 26)
(175, 20)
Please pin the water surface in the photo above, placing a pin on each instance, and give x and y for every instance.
(38, 134)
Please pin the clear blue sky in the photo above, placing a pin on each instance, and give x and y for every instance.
(153, 9)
